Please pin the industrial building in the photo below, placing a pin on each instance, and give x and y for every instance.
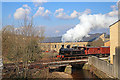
(94, 40)
(114, 38)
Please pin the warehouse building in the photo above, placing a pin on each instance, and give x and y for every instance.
(54, 43)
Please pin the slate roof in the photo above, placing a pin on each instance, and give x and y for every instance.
(89, 38)
(52, 40)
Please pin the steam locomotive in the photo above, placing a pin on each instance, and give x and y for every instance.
(83, 51)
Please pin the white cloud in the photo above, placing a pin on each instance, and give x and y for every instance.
(114, 12)
(62, 15)
(74, 14)
(39, 2)
(87, 11)
(42, 12)
(60, 10)
(22, 11)
(26, 6)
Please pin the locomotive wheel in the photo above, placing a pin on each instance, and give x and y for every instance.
(63, 59)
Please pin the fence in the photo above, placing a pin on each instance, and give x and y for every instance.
(102, 65)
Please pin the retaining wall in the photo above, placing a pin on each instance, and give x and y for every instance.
(102, 65)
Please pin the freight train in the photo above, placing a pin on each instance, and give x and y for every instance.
(84, 51)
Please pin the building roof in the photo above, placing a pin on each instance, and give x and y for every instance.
(89, 38)
(114, 23)
(52, 40)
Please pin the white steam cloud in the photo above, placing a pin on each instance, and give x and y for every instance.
(87, 23)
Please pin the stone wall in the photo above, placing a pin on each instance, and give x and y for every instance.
(116, 62)
(102, 65)
(112, 70)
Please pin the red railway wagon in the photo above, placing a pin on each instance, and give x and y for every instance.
(105, 50)
(97, 50)
(92, 50)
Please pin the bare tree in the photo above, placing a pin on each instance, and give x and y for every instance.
(10, 45)
(21, 44)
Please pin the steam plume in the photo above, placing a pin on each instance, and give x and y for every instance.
(87, 23)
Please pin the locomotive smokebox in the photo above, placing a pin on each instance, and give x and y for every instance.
(68, 46)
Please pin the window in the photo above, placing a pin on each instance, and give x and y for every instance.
(88, 45)
(55, 46)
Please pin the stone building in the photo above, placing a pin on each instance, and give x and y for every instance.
(107, 43)
(54, 43)
(114, 38)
